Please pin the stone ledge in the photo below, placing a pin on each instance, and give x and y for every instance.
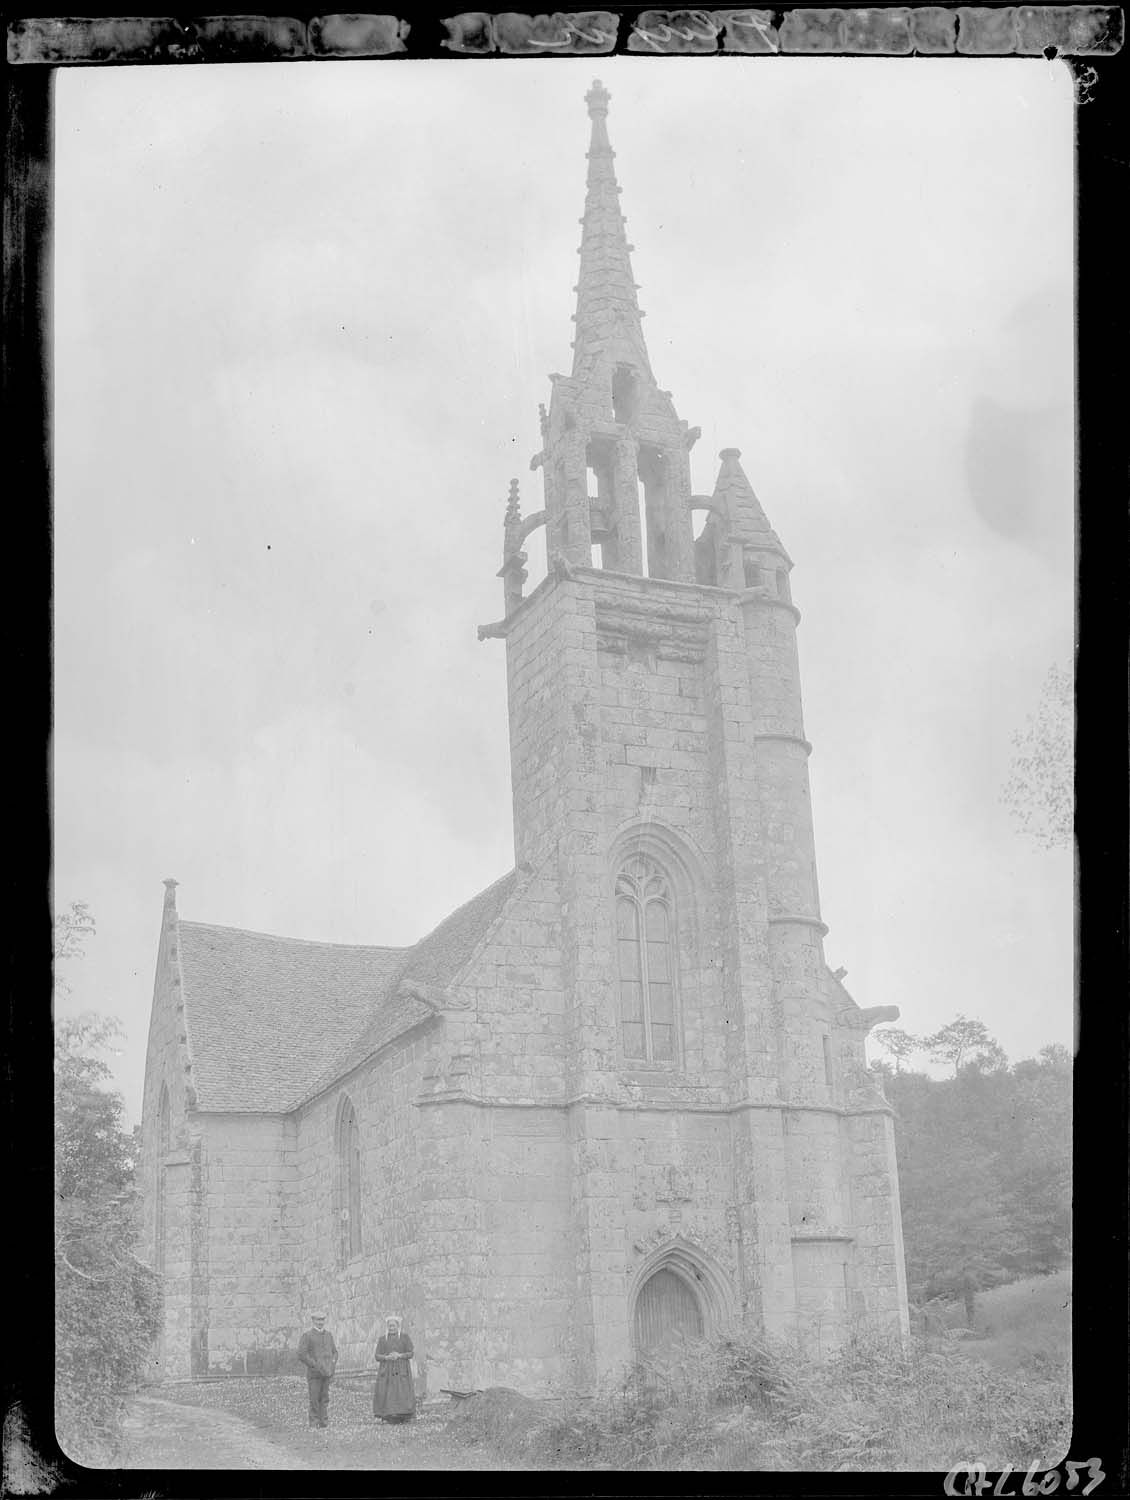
(785, 920)
(792, 739)
(652, 1106)
(761, 595)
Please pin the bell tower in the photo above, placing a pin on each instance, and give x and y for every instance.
(611, 433)
(716, 1093)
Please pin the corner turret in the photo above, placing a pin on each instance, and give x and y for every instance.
(738, 548)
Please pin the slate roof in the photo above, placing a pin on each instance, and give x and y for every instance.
(273, 1020)
(437, 959)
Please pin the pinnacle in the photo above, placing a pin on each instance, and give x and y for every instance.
(748, 520)
(513, 505)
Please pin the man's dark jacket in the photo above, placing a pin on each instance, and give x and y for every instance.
(318, 1352)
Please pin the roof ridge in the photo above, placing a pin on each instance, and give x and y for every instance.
(470, 901)
(277, 937)
(519, 880)
(340, 1068)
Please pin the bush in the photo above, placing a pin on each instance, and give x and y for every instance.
(107, 1304)
(105, 1321)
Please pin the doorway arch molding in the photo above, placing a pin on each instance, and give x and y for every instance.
(700, 1271)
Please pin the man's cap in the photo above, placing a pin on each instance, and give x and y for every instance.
(317, 1317)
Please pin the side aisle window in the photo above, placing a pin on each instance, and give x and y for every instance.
(348, 1182)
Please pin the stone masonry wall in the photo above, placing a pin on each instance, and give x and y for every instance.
(357, 1292)
(505, 1036)
(880, 1266)
(496, 1240)
(245, 1177)
(495, 1228)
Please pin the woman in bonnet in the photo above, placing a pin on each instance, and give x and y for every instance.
(394, 1397)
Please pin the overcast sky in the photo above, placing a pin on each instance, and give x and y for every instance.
(304, 317)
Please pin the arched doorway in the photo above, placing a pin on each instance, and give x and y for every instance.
(668, 1311)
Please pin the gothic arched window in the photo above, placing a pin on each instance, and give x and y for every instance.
(164, 1144)
(645, 949)
(348, 1182)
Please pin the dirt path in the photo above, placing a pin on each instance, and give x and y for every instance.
(165, 1435)
(171, 1434)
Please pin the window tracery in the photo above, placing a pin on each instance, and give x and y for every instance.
(645, 949)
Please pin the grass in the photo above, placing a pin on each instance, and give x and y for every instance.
(1027, 1324)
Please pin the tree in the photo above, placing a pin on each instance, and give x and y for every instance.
(984, 1169)
(963, 1042)
(900, 1044)
(72, 928)
(955, 1234)
(1035, 1161)
(107, 1303)
(1039, 790)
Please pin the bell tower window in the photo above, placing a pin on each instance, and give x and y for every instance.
(646, 962)
(625, 394)
(653, 470)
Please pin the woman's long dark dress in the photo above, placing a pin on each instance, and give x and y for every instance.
(394, 1398)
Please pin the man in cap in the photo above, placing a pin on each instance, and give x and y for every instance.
(318, 1352)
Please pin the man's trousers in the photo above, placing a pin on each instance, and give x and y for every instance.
(319, 1387)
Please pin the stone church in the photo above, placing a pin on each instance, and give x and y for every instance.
(616, 1098)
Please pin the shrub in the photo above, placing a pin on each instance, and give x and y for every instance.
(751, 1403)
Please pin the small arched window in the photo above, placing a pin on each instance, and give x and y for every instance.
(164, 1145)
(348, 1182)
(645, 936)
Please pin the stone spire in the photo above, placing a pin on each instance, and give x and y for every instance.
(608, 317)
(748, 523)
